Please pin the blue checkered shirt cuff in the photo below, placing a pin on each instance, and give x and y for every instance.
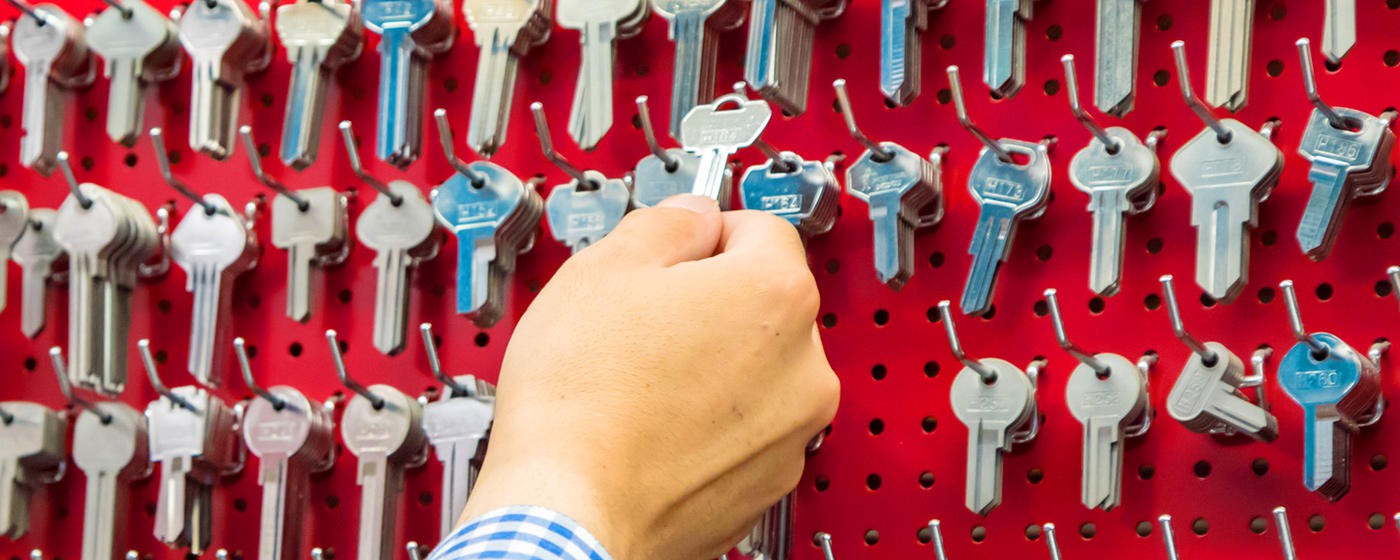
(520, 533)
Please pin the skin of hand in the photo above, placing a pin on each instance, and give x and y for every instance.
(662, 387)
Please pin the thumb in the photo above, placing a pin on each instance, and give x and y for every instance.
(680, 229)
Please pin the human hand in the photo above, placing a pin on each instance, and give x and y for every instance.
(661, 389)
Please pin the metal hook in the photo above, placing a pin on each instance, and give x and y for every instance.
(1295, 321)
(133, 555)
(163, 161)
(1072, 91)
(1257, 362)
(1183, 76)
(239, 348)
(246, 132)
(1285, 535)
(221, 554)
(64, 387)
(123, 10)
(347, 134)
(935, 529)
(1168, 537)
(415, 552)
(881, 154)
(1394, 273)
(374, 400)
(989, 375)
(649, 131)
(67, 169)
(1050, 541)
(1208, 356)
(445, 139)
(824, 541)
(779, 164)
(144, 345)
(955, 86)
(1310, 86)
(1080, 354)
(318, 554)
(1396, 517)
(430, 348)
(29, 10)
(547, 146)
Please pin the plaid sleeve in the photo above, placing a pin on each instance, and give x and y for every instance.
(520, 533)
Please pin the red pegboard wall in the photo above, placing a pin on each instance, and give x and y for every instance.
(895, 456)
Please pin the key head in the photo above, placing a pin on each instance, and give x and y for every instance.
(793, 196)
(1131, 170)
(381, 15)
(1199, 381)
(1315, 381)
(653, 182)
(871, 180)
(84, 231)
(1248, 159)
(316, 24)
(1023, 188)
(274, 434)
(321, 223)
(37, 245)
(14, 218)
(1008, 400)
(460, 205)
(221, 239)
(114, 36)
(1122, 395)
(669, 8)
(394, 431)
(454, 419)
(579, 217)
(1353, 150)
(728, 124)
(575, 14)
(35, 434)
(508, 14)
(176, 431)
(58, 38)
(118, 446)
(383, 226)
(216, 29)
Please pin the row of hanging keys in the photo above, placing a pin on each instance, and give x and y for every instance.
(198, 440)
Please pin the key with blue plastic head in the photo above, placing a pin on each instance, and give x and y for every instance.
(1008, 193)
(1339, 390)
(410, 32)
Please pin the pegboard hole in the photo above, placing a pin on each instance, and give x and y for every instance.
(882, 317)
(1161, 78)
(978, 534)
(1332, 67)
(1317, 523)
(1207, 301)
(934, 314)
(1033, 532)
(161, 357)
(1044, 252)
(946, 42)
(990, 313)
(1274, 68)
(1096, 305)
(872, 537)
(929, 424)
(1260, 466)
(1052, 87)
(1201, 469)
(843, 50)
(877, 427)
(332, 501)
(1391, 58)
(1041, 308)
(821, 483)
(931, 369)
(1258, 525)
(425, 498)
(1144, 529)
(1146, 471)
(163, 306)
(90, 114)
(481, 340)
(833, 266)
(294, 349)
(829, 320)
(450, 85)
(1054, 32)
(873, 482)
(924, 535)
(30, 364)
(1035, 475)
(1378, 462)
(1375, 522)
(1200, 526)
(936, 259)
(1324, 291)
(926, 480)
(943, 96)
(1383, 288)
(267, 100)
(1164, 22)
(1392, 4)
(879, 371)
(545, 77)
(1152, 302)
(1088, 530)
(1266, 295)
(1268, 238)
(1386, 230)
(344, 296)
(1154, 245)
(129, 160)
(240, 505)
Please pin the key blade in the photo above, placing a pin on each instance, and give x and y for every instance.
(1115, 55)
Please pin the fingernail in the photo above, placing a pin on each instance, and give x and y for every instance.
(693, 202)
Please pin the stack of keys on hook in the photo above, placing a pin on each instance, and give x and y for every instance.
(778, 64)
(14, 224)
(56, 58)
(695, 28)
(139, 47)
(38, 255)
(32, 453)
(716, 131)
(107, 237)
(195, 439)
(292, 437)
(600, 24)
(1004, 57)
(320, 36)
(504, 32)
(111, 447)
(383, 428)
(803, 192)
(225, 41)
(1111, 406)
(1120, 179)
(1350, 158)
(580, 213)
(1008, 193)
(902, 25)
(399, 228)
(904, 192)
(457, 426)
(410, 34)
(312, 232)
(214, 246)
(493, 215)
